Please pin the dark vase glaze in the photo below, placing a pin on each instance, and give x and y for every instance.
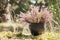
(36, 28)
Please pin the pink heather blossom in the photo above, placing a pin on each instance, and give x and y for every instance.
(47, 15)
(34, 16)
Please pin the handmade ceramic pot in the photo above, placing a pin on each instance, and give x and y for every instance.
(36, 28)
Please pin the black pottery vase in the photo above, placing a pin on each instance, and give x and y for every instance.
(36, 28)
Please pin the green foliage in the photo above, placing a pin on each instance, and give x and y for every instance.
(54, 5)
(23, 6)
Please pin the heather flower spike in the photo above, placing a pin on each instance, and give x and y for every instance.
(34, 16)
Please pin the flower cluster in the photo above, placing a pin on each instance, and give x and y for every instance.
(34, 16)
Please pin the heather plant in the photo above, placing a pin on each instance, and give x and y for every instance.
(34, 16)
